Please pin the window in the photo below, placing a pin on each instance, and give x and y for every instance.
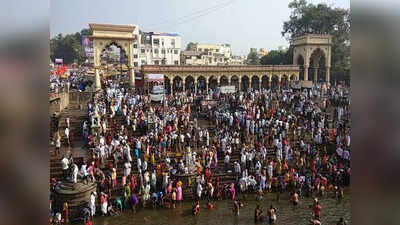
(173, 43)
(143, 50)
(135, 56)
(143, 62)
(176, 62)
(134, 45)
(156, 62)
(135, 64)
(176, 52)
(199, 49)
(163, 51)
(156, 41)
(216, 50)
(163, 61)
(156, 51)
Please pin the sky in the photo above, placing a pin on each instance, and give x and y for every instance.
(244, 24)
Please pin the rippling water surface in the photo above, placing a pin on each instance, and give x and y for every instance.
(222, 214)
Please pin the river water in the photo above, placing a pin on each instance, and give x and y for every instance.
(223, 215)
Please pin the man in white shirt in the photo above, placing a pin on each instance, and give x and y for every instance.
(67, 134)
(74, 173)
(92, 204)
(65, 166)
(226, 162)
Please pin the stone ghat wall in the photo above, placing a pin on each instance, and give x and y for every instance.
(58, 102)
(79, 98)
(76, 195)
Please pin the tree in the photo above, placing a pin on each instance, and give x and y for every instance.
(253, 59)
(278, 57)
(69, 47)
(322, 19)
(190, 46)
(274, 57)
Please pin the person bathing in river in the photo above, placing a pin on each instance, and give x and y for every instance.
(295, 199)
(210, 205)
(258, 214)
(236, 207)
(272, 215)
(196, 208)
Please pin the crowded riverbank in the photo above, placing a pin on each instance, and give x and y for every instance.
(256, 144)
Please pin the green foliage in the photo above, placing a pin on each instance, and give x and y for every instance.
(253, 59)
(68, 47)
(190, 46)
(277, 57)
(322, 19)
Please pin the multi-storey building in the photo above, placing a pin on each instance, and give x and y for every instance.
(159, 49)
(207, 54)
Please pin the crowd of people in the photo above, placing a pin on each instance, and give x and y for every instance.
(282, 141)
(76, 80)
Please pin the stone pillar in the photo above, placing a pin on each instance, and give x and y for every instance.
(270, 83)
(207, 86)
(279, 83)
(171, 84)
(195, 86)
(239, 86)
(306, 72)
(328, 74)
(259, 84)
(131, 77)
(97, 79)
(315, 74)
(183, 85)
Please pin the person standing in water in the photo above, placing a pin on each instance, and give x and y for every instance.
(258, 214)
(236, 207)
(272, 215)
(295, 199)
(196, 208)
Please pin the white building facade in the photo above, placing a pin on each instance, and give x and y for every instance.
(207, 54)
(159, 49)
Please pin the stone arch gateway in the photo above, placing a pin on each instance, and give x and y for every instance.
(105, 34)
(313, 47)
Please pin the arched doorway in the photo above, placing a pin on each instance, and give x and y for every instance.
(201, 84)
(284, 81)
(167, 85)
(189, 84)
(177, 84)
(265, 82)
(113, 62)
(235, 82)
(300, 62)
(275, 82)
(317, 62)
(223, 81)
(105, 34)
(255, 83)
(245, 83)
(212, 83)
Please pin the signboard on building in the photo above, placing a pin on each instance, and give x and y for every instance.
(227, 89)
(87, 46)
